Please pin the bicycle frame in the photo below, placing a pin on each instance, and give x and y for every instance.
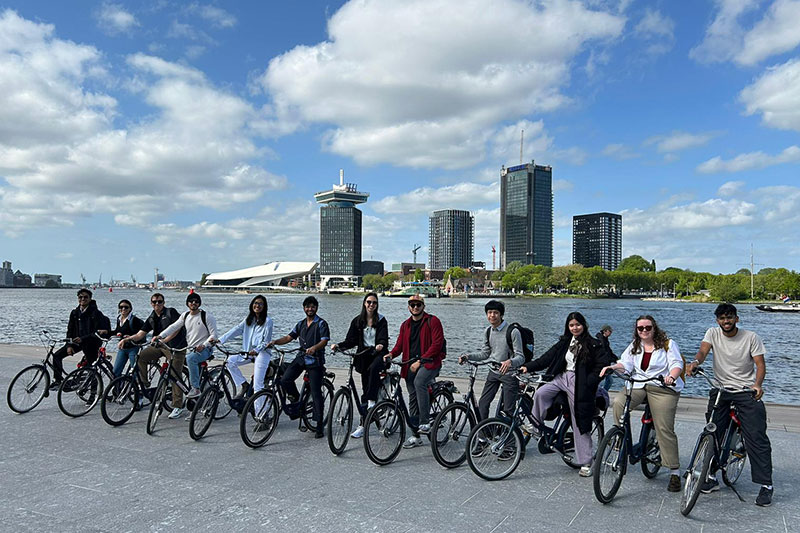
(634, 452)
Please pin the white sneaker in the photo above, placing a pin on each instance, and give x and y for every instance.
(177, 413)
(370, 404)
(358, 433)
(586, 471)
(413, 442)
(194, 393)
(424, 429)
(531, 430)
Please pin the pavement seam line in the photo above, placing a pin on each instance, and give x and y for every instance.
(395, 504)
(554, 490)
(576, 516)
(468, 499)
(500, 524)
(660, 507)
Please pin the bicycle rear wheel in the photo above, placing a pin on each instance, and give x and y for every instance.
(203, 413)
(307, 412)
(697, 473)
(119, 400)
(449, 434)
(494, 449)
(651, 460)
(340, 421)
(441, 399)
(598, 432)
(609, 465)
(157, 407)
(737, 457)
(28, 388)
(259, 418)
(80, 391)
(384, 432)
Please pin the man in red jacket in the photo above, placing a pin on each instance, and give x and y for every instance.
(421, 338)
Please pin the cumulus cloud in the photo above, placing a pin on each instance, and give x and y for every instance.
(426, 199)
(776, 96)
(216, 16)
(730, 188)
(679, 140)
(749, 161)
(725, 35)
(657, 30)
(114, 19)
(776, 33)
(538, 145)
(397, 88)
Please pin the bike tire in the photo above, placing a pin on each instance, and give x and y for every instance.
(494, 449)
(157, 406)
(598, 432)
(203, 413)
(384, 432)
(28, 388)
(259, 418)
(441, 399)
(697, 473)
(228, 388)
(610, 465)
(80, 391)
(651, 460)
(449, 434)
(307, 410)
(119, 400)
(340, 421)
(737, 457)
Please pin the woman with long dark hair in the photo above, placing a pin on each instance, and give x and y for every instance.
(575, 361)
(653, 354)
(128, 324)
(368, 329)
(256, 333)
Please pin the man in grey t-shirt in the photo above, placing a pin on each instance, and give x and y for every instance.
(739, 364)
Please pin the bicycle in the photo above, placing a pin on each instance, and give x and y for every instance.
(123, 395)
(385, 425)
(32, 384)
(731, 454)
(82, 388)
(206, 409)
(261, 412)
(340, 420)
(454, 423)
(617, 449)
(501, 443)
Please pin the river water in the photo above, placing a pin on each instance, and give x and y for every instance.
(23, 312)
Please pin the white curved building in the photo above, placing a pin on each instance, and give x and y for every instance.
(276, 274)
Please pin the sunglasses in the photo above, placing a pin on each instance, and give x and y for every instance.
(371, 302)
(415, 304)
(155, 302)
(644, 328)
(124, 307)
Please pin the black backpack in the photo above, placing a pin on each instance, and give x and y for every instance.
(527, 339)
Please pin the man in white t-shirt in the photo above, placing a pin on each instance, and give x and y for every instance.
(738, 363)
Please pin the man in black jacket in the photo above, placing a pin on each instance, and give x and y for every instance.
(602, 336)
(84, 321)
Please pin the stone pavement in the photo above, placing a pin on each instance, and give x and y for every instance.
(61, 474)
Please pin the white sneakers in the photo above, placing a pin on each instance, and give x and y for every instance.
(177, 413)
(586, 471)
(194, 393)
(358, 433)
(424, 429)
(413, 442)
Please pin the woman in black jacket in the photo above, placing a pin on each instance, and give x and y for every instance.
(128, 324)
(575, 362)
(368, 329)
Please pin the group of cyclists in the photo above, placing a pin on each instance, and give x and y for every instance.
(576, 365)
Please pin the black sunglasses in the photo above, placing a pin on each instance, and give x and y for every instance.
(644, 328)
(415, 304)
(124, 307)
(154, 302)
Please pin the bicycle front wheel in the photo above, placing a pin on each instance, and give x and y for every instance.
(340, 421)
(737, 457)
(307, 412)
(697, 473)
(259, 418)
(203, 413)
(157, 407)
(119, 400)
(494, 449)
(609, 465)
(597, 433)
(384, 432)
(28, 388)
(80, 391)
(449, 434)
(228, 388)
(651, 461)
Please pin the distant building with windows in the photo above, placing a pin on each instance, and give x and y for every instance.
(526, 215)
(452, 238)
(597, 240)
(6, 275)
(372, 267)
(404, 269)
(47, 280)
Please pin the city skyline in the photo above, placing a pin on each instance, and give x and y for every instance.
(192, 137)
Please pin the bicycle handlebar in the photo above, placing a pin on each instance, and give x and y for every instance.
(715, 384)
(351, 353)
(627, 377)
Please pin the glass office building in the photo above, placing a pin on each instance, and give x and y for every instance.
(526, 215)
(452, 239)
(597, 240)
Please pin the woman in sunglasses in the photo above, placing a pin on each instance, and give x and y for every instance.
(368, 329)
(128, 324)
(653, 354)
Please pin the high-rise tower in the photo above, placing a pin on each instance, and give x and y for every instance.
(597, 240)
(452, 239)
(526, 215)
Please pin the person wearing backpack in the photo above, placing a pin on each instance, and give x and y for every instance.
(503, 344)
(201, 332)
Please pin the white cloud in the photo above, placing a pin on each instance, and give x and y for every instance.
(725, 35)
(537, 145)
(776, 96)
(679, 140)
(397, 88)
(113, 19)
(657, 30)
(217, 16)
(776, 33)
(730, 188)
(619, 152)
(426, 199)
(749, 161)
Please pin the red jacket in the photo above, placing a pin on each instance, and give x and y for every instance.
(431, 342)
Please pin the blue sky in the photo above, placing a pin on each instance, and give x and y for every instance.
(192, 136)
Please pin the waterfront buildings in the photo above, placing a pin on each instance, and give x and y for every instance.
(597, 240)
(404, 269)
(372, 267)
(47, 280)
(526, 215)
(452, 238)
(286, 274)
(340, 234)
(6, 275)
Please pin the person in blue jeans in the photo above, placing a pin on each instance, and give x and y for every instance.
(201, 332)
(128, 325)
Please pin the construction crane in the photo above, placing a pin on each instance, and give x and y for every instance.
(494, 263)
(414, 251)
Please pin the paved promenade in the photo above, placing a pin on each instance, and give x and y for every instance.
(61, 474)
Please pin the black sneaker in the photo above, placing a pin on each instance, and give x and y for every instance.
(764, 498)
(55, 385)
(674, 484)
(710, 485)
(319, 434)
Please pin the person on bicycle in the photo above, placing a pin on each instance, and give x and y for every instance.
(313, 335)
(575, 362)
(84, 321)
(421, 337)
(738, 363)
(201, 332)
(159, 320)
(256, 333)
(368, 329)
(653, 354)
(496, 348)
(128, 324)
